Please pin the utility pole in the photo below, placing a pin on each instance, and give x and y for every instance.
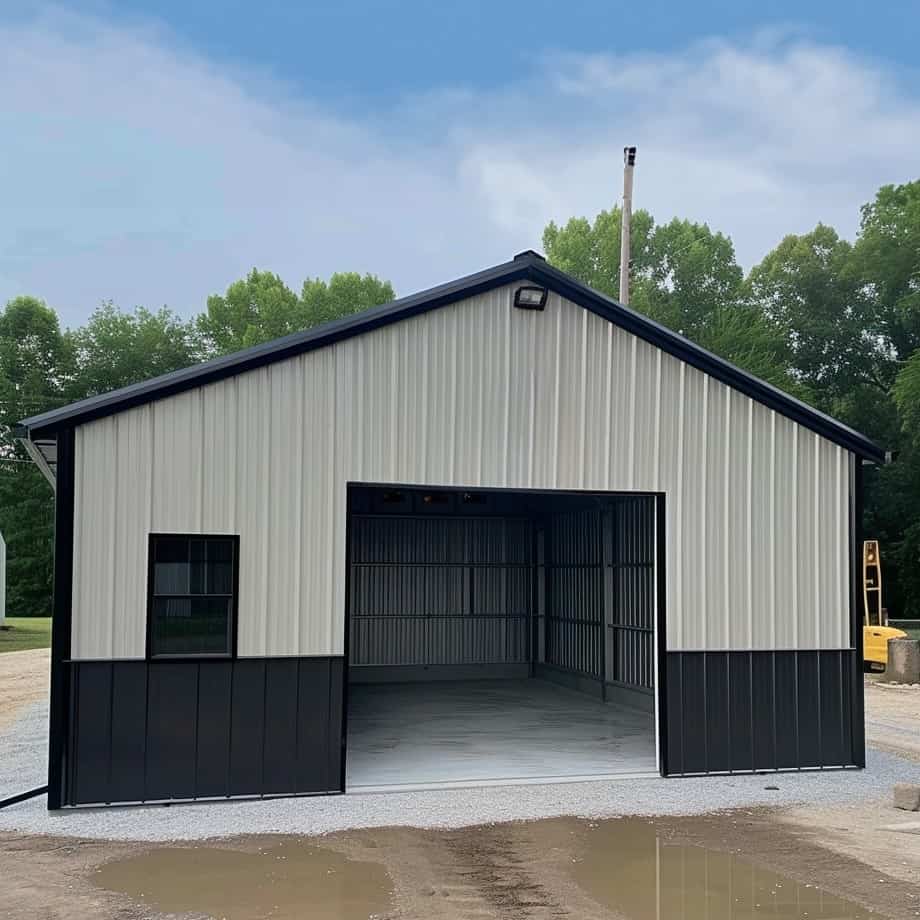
(629, 162)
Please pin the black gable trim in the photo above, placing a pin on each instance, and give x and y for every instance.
(527, 266)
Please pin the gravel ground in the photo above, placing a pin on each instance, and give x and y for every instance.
(24, 748)
(24, 751)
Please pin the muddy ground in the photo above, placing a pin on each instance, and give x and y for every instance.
(864, 852)
(527, 871)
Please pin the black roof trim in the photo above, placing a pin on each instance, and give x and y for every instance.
(526, 266)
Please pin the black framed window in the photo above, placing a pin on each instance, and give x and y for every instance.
(192, 595)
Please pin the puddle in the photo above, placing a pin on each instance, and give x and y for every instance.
(627, 867)
(624, 868)
(287, 880)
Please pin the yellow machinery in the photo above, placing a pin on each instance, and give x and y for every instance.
(876, 631)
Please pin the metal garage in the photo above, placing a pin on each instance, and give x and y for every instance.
(505, 501)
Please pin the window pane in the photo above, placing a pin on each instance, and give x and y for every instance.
(198, 567)
(171, 549)
(171, 569)
(191, 626)
(191, 595)
(220, 567)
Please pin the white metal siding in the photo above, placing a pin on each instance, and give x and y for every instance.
(474, 394)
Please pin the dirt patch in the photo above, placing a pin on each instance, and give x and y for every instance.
(24, 679)
(50, 878)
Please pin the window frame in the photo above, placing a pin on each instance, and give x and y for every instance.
(234, 598)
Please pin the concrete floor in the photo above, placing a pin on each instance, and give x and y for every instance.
(442, 734)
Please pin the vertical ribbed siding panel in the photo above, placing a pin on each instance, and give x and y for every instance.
(832, 519)
(254, 446)
(783, 614)
(714, 560)
(476, 394)
(692, 540)
(177, 464)
(221, 420)
(739, 554)
(570, 386)
(596, 408)
(618, 477)
(762, 535)
(92, 634)
(808, 566)
(670, 436)
(131, 495)
(546, 419)
(645, 427)
(285, 478)
(322, 603)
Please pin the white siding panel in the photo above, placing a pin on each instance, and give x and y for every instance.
(475, 394)
(132, 524)
(787, 522)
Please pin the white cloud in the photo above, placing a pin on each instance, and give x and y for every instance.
(136, 170)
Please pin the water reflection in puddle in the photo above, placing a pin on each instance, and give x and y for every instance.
(286, 880)
(629, 869)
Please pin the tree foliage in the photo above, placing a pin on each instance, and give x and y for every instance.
(33, 354)
(261, 307)
(115, 349)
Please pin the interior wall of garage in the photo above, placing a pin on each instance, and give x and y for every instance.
(452, 584)
(474, 394)
(442, 585)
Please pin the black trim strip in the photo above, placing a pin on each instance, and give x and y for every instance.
(527, 266)
(58, 721)
(857, 686)
(661, 629)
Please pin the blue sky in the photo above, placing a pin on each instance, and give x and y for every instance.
(160, 150)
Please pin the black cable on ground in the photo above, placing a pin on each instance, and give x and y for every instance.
(22, 796)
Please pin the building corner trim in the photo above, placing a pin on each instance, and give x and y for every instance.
(62, 606)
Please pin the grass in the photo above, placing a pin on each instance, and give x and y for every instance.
(20, 633)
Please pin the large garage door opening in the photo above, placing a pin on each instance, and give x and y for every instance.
(497, 636)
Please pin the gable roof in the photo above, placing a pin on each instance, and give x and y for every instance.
(527, 266)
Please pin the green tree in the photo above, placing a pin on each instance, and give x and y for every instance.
(811, 290)
(261, 307)
(887, 254)
(254, 309)
(591, 251)
(115, 349)
(346, 293)
(33, 354)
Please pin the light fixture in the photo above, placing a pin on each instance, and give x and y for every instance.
(530, 298)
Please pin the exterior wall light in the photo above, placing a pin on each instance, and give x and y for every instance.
(530, 298)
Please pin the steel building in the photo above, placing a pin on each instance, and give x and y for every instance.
(505, 529)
